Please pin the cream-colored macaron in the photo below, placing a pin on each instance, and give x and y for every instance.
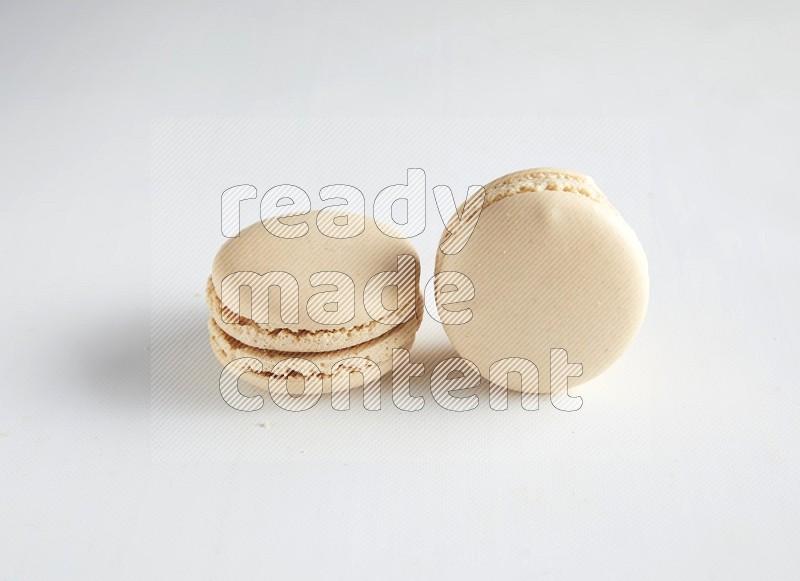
(327, 309)
(554, 266)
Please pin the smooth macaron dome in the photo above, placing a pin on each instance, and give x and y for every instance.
(554, 266)
(311, 334)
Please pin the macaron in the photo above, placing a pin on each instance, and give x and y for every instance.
(314, 297)
(553, 266)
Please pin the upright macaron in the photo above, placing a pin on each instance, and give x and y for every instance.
(313, 297)
(554, 266)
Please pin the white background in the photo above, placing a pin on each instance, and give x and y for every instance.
(683, 461)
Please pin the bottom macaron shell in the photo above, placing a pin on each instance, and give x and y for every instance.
(378, 350)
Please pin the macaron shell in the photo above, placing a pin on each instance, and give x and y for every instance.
(551, 269)
(359, 257)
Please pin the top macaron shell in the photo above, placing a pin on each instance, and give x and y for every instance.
(257, 250)
(554, 266)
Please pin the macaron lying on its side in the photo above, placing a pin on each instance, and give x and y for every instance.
(321, 331)
(554, 266)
